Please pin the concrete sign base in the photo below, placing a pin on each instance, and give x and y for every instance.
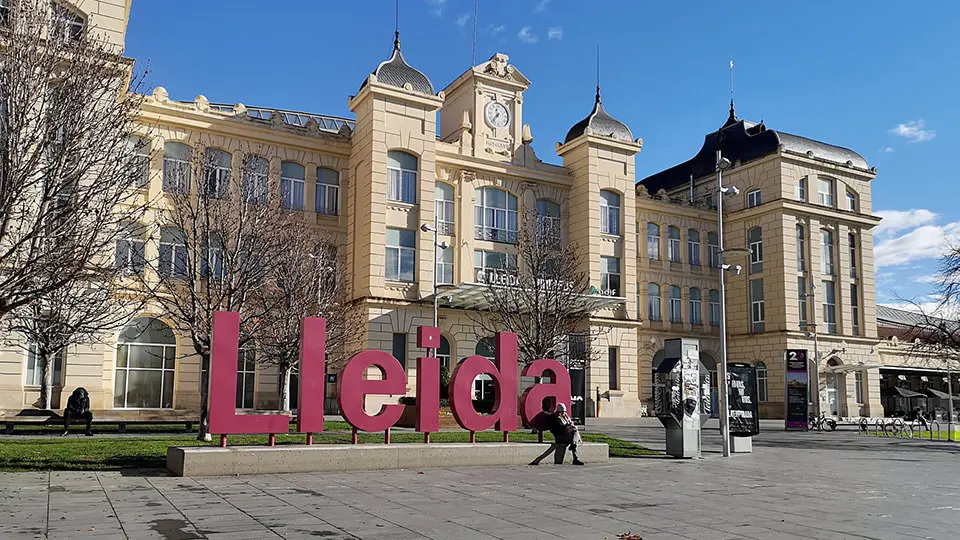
(741, 445)
(240, 460)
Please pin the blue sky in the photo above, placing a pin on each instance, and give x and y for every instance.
(877, 77)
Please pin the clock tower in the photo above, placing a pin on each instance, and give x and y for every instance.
(483, 110)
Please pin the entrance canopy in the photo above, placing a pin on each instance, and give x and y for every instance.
(847, 368)
(938, 394)
(897, 391)
(474, 296)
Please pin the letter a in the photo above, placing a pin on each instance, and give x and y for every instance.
(504, 375)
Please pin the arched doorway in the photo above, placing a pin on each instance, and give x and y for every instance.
(484, 391)
(835, 388)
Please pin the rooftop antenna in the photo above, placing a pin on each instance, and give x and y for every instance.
(598, 73)
(732, 113)
(476, 12)
(396, 28)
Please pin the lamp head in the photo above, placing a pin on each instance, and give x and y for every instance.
(443, 245)
(724, 164)
(426, 228)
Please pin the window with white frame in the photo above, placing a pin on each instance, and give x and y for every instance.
(443, 206)
(826, 252)
(755, 238)
(653, 302)
(445, 265)
(610, 275)
(293, 180)
(693, 247)
(653, 241)
(852, 244)
(140, 150)
(65, 24)
(401, 254)
(246, 376)
(548, 218)
(802, 300)
(212, 263)
(714, 307)
(35, 367)
(328, 192)
(696, 306)
(801, 248)
(757, 306)
(851, 202)
(609, 212)
(146, 365)
(830, 307)
(254, 179)
(855, 308)
(176, 167)
(130, 255)
(858, 386)
(493, 262)
(217, 168)
(676, 305)
(800, 190)
(173, 253)
(495, 215)
(402, 177)
(443, 354)
(673, 244)
(762, 382)
(753, 198)
(713, 246)
(825, 190)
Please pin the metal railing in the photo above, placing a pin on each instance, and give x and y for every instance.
(898, 427)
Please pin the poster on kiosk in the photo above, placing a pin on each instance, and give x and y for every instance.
(797, 390)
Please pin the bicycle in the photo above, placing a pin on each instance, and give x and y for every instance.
(822, 422)
(894, 428)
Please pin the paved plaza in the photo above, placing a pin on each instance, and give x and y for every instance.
(795, 485)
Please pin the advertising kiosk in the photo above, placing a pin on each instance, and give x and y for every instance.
(681, 394)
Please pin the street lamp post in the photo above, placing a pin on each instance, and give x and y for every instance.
(949, 400)
(436, 286)
(723, 164)
(812, 295)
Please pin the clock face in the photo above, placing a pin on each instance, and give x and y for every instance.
(497, 114)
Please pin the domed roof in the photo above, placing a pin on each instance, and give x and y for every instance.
(600, 123)
(397, 72)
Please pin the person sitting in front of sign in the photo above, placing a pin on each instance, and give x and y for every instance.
(565, 433)
(78, 407)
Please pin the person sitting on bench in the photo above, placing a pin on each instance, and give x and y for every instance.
(565, 433)
(78, 407)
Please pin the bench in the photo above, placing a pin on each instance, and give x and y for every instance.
(121, 419)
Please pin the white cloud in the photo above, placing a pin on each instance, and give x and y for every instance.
(497, 30)
(541, 6)
(526, 36)
(933, 278)
(895, 221)
(463, 19)
(914, 131)
(436, 7)
(555, 32)
(887, 150)
(926, 242)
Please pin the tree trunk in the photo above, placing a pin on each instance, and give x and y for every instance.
(46, 385)
(285, 388)
(203, 427)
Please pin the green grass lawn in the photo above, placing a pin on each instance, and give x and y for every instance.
(114, 453)
(937, 435)
(55, 429)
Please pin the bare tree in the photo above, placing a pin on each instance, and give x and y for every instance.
(307, 281)
(541, 294)
(68, 104)
(218, 240)
(933, 328)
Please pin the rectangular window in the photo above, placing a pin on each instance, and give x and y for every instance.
(401, 185)
(696, 307)
(445, 266)
(851, 202)
(762, 383)
(613, 367)
(444, 210)
(610, 275)
(801, 190)
(852, 240)
(653, 241)
(714, 308)
(609, 213)
(495, 215)
(400, 349)
(755, 237)
(653, 302)
(753, 198)
(292, 183)
(830, 307)
(802, 299)
(756, 305)
(490, 266)
(858, 386)
(801, 249)
(693, 247)
(246, 378)
(676, 305)
(825, 192)
(34, 372)
(826, 252)
(855, 309)
(401, 254)
(673, 245)
(327, 197)
(713, 246)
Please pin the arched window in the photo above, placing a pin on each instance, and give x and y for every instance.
(176, 167)
(246, 375)
(851, 201)
(673, 244)
(402, 177)
(753, 198)
(444, 208)
(328, 192)
(609, 212)
(676, 304)
(443, 354)
(548, 218)
(146, 360)
(484, 391)
(486, 347)
(173, 253)
(693, 247)
(653, 302)
(714, 307)
(217, 165)
(762, 379)
(755, 238)
(653, 241)
(293, 178)
(696, 306)
(495, 215)
(65, 24)
(139, 150)
(254, 179)
(713, 245)
(130, 249)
